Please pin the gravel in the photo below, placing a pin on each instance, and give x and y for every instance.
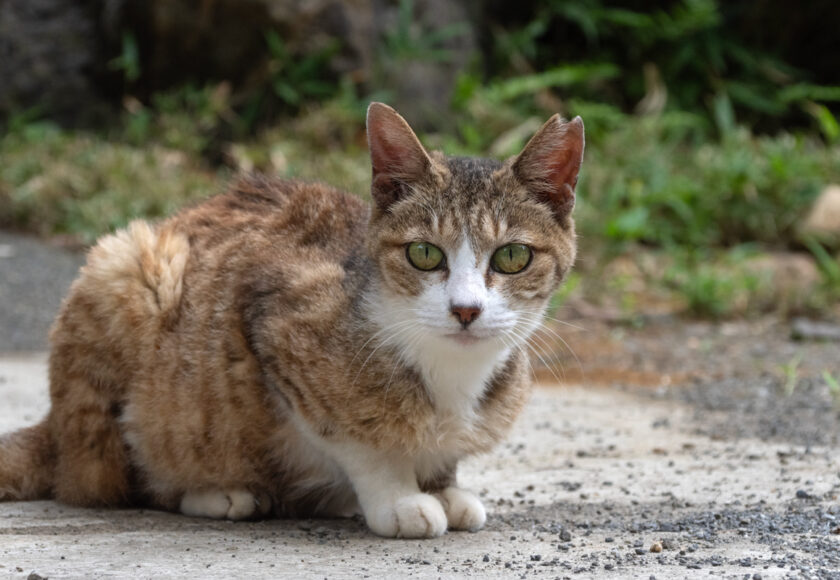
(698, 443)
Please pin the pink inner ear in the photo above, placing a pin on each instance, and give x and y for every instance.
(564, 166)
(394, 149)
(551, 162)
(390, 155)
(397, 157)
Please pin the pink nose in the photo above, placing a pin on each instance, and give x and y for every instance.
(466, 314)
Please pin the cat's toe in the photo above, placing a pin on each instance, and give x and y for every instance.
(263, 503)
(242, 504)
(464, 511)
(205, 504)
(237, 504)
(414, 516)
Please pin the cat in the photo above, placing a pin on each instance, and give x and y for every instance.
(283, 349)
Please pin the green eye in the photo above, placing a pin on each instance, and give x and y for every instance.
(424, 256)
(511, 259)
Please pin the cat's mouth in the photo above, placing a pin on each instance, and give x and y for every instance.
(465, 337)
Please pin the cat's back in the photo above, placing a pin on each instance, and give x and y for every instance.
(289, 246)
(205, 267)
(279, 213)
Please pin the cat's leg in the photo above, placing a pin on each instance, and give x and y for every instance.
(234, 504)
(91, 460)
(464, 511)
(389, 495)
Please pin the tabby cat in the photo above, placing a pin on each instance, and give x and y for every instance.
(283, 349)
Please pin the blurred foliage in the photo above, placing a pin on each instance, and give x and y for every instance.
(681, 55)
(704, 146)
(297, 79)
(53, 181)
(409, 41)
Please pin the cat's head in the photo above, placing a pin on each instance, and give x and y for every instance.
(469, 251)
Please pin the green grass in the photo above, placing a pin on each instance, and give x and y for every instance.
(790, 370)
(705, 207)
(60, 182)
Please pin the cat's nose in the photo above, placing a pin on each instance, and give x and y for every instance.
(466, 314)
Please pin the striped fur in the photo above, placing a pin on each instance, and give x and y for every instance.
(271, 348)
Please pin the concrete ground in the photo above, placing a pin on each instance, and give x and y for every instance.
(34, 277)
(590, 484)
(730, 470)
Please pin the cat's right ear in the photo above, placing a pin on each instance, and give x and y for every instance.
(550, 163)
(397, 157)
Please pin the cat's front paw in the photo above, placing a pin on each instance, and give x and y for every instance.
(464, 511)
(413, 516)
(237, 504)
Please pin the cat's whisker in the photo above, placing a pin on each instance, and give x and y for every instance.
(550, 353)
(539, 356)
(375, 335)
(543, 328)
(384, 342)
(527, 360)
(558, 321)
(515, 337)
(411, 341)
(542, 349)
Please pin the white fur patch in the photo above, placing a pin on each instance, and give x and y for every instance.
(455, 363)
(464, 511)
(236, 504)
(386, 486)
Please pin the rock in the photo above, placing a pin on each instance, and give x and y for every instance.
(793, 276)
(804, 329)
(225, 39)
(823, 221)
(50, 52)
(423, 77)
(57, 54)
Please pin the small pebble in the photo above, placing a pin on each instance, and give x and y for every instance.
(566, 535)
(802, 494)
(486, 558)
(656, 547)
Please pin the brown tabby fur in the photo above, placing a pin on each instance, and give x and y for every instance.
(186, 350)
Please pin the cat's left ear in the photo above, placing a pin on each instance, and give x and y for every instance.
(396, 154)
(550, 163)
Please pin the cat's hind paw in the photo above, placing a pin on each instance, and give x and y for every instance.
(414, 516)
(237, 504)
(464, 511)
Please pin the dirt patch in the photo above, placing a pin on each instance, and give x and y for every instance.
(743, 379)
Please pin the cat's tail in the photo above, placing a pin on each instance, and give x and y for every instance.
(27, 463)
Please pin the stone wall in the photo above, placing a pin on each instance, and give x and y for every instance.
(55, 54)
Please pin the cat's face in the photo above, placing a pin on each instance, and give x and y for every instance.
(469, 251)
